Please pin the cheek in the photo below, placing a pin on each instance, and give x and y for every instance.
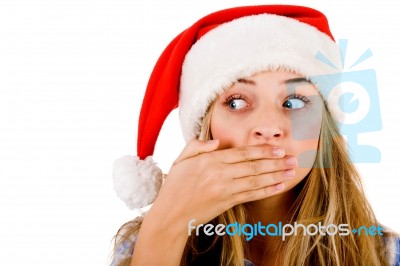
(305, 146)
(306, 123)
(305, 152)
(229, 130)
(219, 130)
(305, 131)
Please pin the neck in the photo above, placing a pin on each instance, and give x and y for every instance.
(271, 210)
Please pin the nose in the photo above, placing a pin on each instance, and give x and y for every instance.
(268, 128)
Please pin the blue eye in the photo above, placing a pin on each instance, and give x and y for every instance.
(295, 102)
(236, 102)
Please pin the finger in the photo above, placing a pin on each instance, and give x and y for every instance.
(196, 147)
(261, 181)
(257, 194)
(258, 167)
(250, 153)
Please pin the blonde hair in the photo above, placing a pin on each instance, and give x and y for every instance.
(332, 193)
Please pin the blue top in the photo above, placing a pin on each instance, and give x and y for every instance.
(123, 252)
(248, 263)
(397, 252)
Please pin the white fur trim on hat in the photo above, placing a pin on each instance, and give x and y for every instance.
(242, 48)
(136, 181)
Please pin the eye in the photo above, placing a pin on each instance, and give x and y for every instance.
(295, 102)
(235, 102)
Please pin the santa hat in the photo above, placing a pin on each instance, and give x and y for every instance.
(204, 60)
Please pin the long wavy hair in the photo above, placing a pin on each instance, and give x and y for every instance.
(331, 193)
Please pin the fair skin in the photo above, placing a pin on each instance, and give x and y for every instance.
(259, 153)
(272, 108)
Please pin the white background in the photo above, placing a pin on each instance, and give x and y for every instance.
(72, 78)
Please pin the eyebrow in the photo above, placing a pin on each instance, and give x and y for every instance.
(246, 81)
(288, 81)
(297, 80)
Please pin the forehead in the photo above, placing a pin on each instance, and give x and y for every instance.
(283, 80)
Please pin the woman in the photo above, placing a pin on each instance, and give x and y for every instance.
(262, 148)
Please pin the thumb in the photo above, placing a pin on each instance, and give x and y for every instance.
(196, 147)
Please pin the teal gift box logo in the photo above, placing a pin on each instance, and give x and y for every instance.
(356, 99)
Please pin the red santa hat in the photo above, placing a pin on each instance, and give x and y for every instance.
(207, 58)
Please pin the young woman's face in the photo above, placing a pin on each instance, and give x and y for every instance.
(278, 108)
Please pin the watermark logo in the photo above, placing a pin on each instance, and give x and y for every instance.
(354, 96)
(280, 229)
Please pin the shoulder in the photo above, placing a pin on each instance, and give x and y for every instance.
(393, 248)
(248, 263)
(124, 245)
(122, 251)
(392, 242)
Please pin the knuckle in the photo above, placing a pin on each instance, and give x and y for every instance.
(244, 197)
(254, 181)
(250, 195)
(265, 152)
(266, 191)
(276, 163)
(277, 176)
(233, 201)
(244, 153)
(254, 167)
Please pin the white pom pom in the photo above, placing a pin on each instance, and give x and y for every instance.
(136, 181)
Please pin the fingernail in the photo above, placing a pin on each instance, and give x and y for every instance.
(279, 186)
(289, 173)
(291, 161)
(278, 152)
